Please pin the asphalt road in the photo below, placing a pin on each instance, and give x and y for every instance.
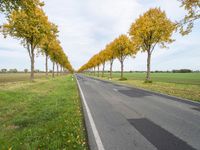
(133, 119)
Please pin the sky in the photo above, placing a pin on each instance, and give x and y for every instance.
(87, 26)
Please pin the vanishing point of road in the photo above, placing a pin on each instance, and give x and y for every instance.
(123, 118)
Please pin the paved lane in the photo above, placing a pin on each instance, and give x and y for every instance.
(133, 119)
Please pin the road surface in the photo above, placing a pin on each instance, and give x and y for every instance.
(123, 118)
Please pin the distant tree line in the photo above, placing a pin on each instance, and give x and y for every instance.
(182, 71)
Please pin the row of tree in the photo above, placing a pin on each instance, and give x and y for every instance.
(27, 22)
(4, 70)
(149, 30)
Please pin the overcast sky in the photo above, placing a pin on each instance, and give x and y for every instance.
(87, 26)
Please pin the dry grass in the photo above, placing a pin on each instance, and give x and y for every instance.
(15, 77)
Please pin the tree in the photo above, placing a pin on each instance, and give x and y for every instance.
(111, 54)
(151, 29)
(97, 62)
(123, 47)
(58, 57)
(120, 48)
(47, 42)
(93, 63)
(28, 22)
(13, 71)
(30, 25)
(55, 48)
(103, 58)
(193, 13)
(7, 6)
(4, 70)
(25, 70)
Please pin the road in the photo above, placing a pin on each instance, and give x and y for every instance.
(124, 118)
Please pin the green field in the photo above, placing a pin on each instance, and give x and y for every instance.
(184, 85)
(45, 114)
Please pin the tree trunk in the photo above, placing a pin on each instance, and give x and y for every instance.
(46, 65)
(98, 70)
(94, 71)
(103, 69)
(32, 63)
(60, 70)
(148, 78)
(53, 69)
(57, 69)
(122, 69)
(111, 63)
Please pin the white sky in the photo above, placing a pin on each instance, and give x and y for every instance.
(87, 26)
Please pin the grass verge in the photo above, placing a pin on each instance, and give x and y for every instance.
(185, 86)
(45, 114)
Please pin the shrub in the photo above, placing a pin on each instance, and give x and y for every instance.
(182, 71)
(3, 70)
(122, 79)
(147, 81)
(13, 71)
(25, 70)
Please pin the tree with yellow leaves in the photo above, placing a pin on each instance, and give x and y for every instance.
(111, 54)
(7, 6)
(98, 63)
(47, 42)
(54, 54)
(94, 63)
(103, 56)
(151, 29)
(123, 47)
(30, 26)
(28, 23)
(193, 13)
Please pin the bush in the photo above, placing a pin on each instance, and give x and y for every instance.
(13, 71)
(148, 81)
(182, 71)
(25, 70)
(3, 70)
(122, 79)
(36, 70)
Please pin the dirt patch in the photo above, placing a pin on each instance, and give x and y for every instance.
(12, 127)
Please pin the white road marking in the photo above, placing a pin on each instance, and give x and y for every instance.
(115, 90)
(91, 120)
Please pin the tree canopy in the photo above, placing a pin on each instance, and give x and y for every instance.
(151, 29)
(27, 22)
(193, 13)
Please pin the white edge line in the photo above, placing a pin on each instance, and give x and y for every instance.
(91, 120)
(116, 90)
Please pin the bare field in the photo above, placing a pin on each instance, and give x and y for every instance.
(14, 77)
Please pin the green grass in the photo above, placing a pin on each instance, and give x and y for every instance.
(45, 114)
(180, 78)
(184, 85)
